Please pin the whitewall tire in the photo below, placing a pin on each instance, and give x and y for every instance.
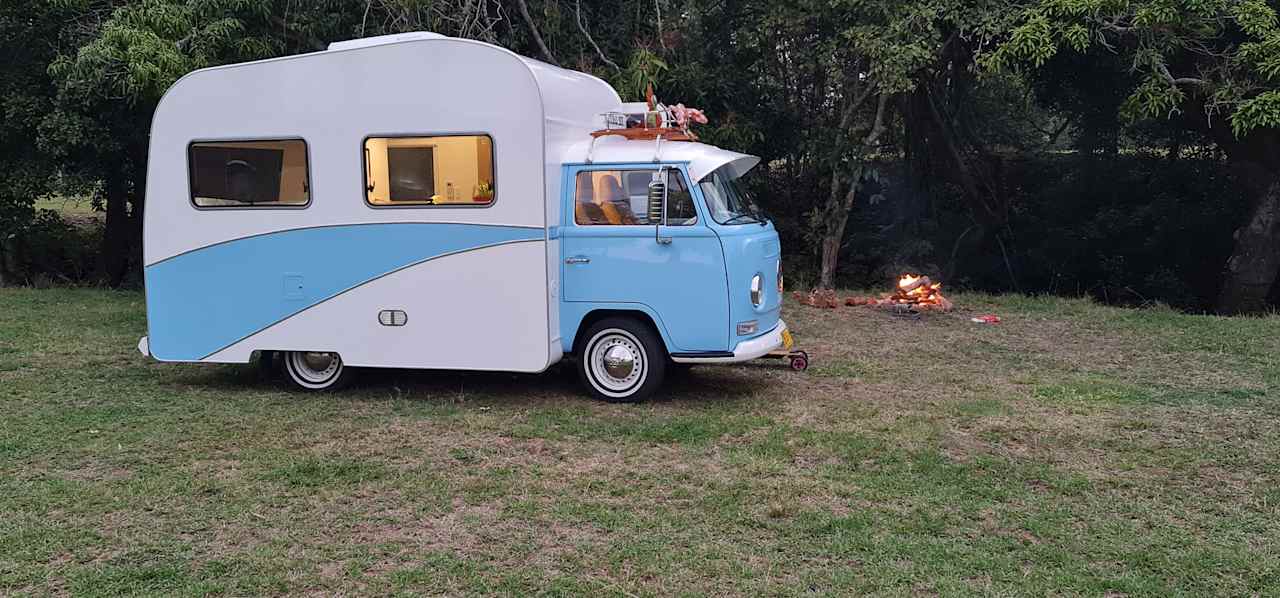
(621, 360)
(315, 370)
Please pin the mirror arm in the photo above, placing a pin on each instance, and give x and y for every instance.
(664, 174)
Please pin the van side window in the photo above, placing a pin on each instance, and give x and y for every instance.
(239, 174)
(621, 197)
(429, 171)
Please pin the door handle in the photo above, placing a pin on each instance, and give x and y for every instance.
(578, 259)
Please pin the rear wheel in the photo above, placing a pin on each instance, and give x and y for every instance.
(315, 370)
(621, 360)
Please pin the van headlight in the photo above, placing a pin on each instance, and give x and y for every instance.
(757, 290)
(781, 291)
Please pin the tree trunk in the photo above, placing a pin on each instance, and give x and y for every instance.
(533, 29)
(1255, 262)
(837, 211)
(9, 263)
(113, 261)
(830, 255)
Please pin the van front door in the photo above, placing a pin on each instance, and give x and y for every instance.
(611, 253)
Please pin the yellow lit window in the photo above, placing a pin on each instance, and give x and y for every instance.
(422, 171)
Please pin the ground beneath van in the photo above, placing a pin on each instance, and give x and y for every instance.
(1073, 448)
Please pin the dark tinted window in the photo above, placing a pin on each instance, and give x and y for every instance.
(248, 173)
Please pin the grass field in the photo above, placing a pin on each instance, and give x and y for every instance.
(1074, 450)
(71, 208)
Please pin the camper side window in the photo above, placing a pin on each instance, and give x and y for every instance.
(429, 171)
(622, 197)
(238, 174)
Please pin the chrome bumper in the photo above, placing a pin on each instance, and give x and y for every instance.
(752, 348)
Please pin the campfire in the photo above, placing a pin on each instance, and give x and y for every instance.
(919, 291)
(913, 292)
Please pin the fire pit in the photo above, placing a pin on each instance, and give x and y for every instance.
(913, 293)
(920, 292)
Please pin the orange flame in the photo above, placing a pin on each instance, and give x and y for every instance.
(917, 289)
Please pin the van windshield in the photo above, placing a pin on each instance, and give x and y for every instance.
(728, 199)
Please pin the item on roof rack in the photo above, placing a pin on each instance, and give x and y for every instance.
(652, 120)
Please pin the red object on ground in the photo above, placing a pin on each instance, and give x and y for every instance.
(986, 319)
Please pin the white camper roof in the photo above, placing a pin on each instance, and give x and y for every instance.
(702, 159)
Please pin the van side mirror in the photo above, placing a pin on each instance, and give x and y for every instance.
(658, 206)
(657, 198)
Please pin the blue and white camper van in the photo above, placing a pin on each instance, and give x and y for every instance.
(419, 201)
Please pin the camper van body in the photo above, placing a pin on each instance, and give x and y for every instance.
(507, 282)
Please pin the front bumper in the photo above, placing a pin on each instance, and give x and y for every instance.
(752, 348)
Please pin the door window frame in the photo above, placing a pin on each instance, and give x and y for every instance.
(570, 195)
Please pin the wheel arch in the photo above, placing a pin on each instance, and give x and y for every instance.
(639, 313)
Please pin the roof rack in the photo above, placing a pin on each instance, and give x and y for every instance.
(647, 120)
(657, 135)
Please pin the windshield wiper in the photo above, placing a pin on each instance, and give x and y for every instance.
(734, 219)
(760, 216)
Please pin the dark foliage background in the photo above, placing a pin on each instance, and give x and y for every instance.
(954, 138)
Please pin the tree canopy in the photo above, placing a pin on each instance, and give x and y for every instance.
(895, 134)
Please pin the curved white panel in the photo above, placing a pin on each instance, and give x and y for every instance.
(480, 310)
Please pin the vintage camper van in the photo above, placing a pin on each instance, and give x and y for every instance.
(420, 201)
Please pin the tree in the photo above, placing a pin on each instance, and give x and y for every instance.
(128, 53)
(29, 31)
(1214, 67)
(836, 78)
(109, 88)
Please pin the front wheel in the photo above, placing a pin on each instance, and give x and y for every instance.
(315, 370)
(622, 360)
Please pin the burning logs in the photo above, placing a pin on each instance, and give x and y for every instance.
(920, 292)
(912, 292)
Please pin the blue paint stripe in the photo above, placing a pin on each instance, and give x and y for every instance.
(203, 301)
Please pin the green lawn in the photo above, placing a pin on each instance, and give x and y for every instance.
(69, 207)
(1074, 449)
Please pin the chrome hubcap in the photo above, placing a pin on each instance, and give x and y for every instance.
(315, 367)
(318, 362)
(617, 362)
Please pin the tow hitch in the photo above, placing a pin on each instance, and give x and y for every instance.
(798, 360)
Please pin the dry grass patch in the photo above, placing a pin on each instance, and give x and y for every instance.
(1072, 449)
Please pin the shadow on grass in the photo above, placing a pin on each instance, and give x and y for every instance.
(556, 386)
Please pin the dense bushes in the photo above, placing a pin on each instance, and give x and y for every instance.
(50, 250)
(1125, 229)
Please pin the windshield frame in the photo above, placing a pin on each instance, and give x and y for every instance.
(727, 200)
